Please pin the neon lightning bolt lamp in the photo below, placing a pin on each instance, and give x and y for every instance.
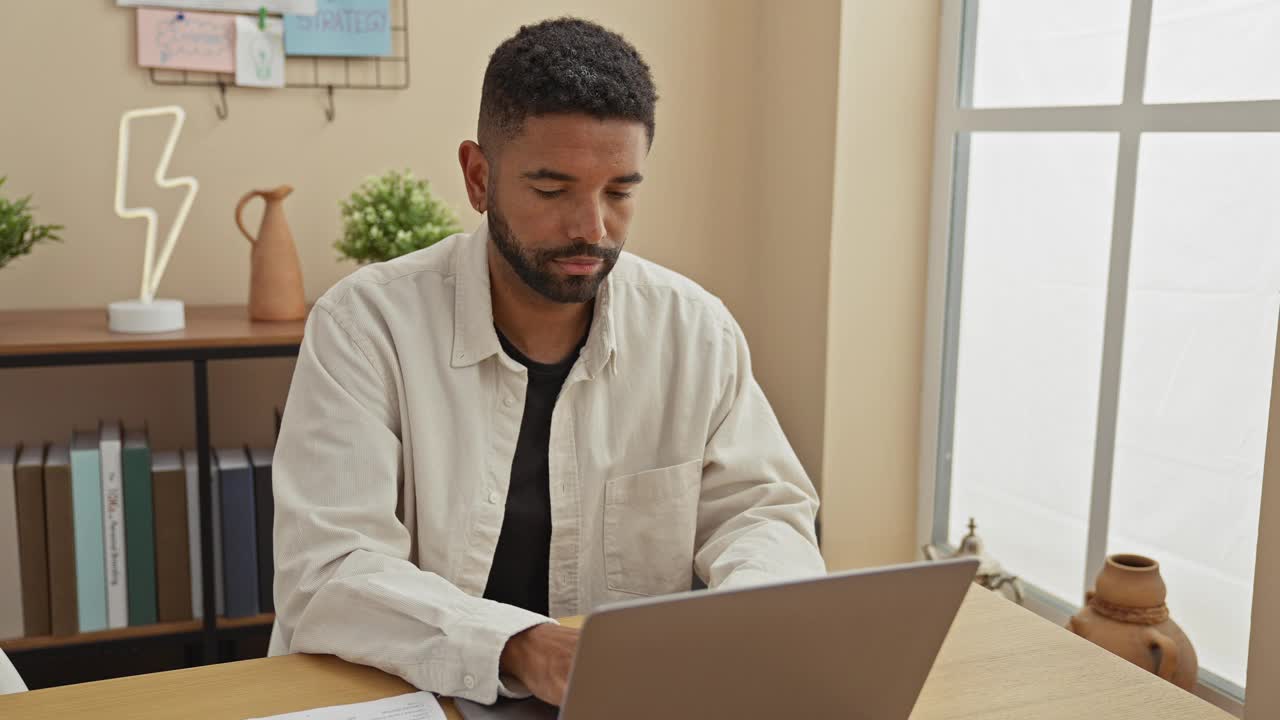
(147, 314)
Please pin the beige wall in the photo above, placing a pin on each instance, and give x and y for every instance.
(796, 110)
(879, 245)
(752, 137)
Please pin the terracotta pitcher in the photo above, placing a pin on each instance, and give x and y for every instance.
(1127, 615)
(275, 275)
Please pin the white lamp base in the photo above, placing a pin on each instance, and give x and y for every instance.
(135, 316)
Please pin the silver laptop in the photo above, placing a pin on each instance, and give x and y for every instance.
(849, 645)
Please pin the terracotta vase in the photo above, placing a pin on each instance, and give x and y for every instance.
(1126, 614)
(275, 275)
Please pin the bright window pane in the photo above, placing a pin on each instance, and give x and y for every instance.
(1213, 50)
(1037, 233)
(1199, 348)
(1033, 53)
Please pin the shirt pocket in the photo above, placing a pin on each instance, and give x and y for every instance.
(650, 521)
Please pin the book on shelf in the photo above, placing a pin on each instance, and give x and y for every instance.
(172, 557)
(32, 548)
(264, 510)
(61, 529)
(86, 498)
(192, 473)
(219, 565)
(11, 623)
(239, 532)
(139, 528)
(113, 521)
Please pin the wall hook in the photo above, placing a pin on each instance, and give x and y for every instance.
(330, 112)
(221, 107)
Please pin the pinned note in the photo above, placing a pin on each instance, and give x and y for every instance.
(186, 40)
(259, 52)
(355, 28)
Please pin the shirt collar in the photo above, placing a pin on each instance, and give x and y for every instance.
(474, 338)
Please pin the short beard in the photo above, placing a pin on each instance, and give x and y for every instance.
(534, 266)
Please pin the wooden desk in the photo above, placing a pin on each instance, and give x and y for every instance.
(999, 661)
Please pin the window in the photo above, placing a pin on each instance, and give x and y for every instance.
(1107, 242)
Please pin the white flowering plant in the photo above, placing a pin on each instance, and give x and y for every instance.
(392, 215)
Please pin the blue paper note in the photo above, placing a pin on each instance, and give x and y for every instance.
(354, 28)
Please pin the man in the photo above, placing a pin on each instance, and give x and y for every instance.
(525, 422)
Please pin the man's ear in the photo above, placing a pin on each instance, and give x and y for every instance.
(475, 173)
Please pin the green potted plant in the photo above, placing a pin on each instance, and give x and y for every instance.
(392, 215)
(18, 229)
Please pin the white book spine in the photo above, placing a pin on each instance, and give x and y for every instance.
(113, 527)
(193, 534)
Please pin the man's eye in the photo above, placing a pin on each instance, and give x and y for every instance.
(549, 193)
(619, 194)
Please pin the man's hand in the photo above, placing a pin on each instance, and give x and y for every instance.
(541, 657)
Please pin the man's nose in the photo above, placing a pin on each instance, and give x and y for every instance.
(587, 223)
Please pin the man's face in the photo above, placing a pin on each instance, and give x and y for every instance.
(560, 200)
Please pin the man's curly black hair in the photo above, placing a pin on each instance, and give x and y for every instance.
(564, 66)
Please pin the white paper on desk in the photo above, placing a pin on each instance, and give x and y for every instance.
(412, 706)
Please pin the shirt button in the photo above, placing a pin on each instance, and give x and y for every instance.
(494, 497)
(470, 682)
(508, 401)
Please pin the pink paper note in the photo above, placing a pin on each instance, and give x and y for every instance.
(183, 40)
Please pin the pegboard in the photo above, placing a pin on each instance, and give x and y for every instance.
(390, 72)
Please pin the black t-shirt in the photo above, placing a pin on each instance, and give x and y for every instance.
(521, 563)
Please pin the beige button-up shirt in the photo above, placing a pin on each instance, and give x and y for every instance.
(395, 452)
(10, 681)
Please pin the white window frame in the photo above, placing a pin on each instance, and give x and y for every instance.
(954, 120)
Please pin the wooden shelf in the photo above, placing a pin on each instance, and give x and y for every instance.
(43, 642)
(79, 337)
(246, 622)
(53, 332)
(181, 627)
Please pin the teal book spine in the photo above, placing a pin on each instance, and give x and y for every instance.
(139, 530)
(86, 508)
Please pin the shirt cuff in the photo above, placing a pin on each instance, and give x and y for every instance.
(486, 637)
(509, 687)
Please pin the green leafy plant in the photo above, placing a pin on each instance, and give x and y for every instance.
(19, 231)
(392, 215)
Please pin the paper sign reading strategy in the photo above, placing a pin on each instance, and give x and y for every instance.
(186, 40)
(413, 706)
(259, 53)
(357, 28)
